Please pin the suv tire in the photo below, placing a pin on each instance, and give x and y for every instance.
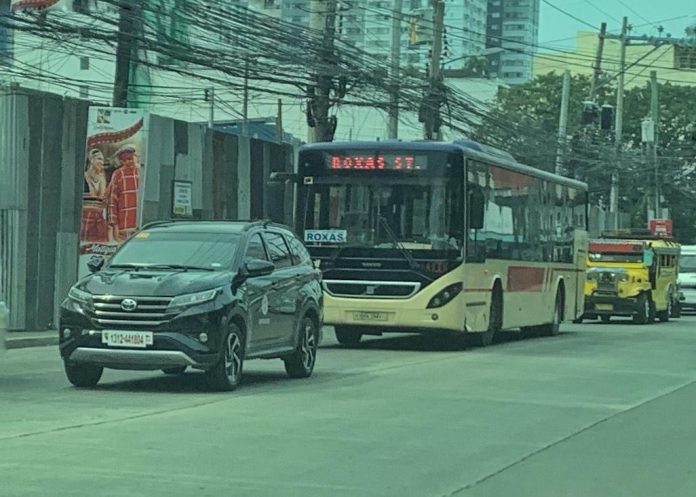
(226, 375)
(300, 363)
(83, 375)
(347, 336)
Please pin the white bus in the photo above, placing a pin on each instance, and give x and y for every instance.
(431, 237)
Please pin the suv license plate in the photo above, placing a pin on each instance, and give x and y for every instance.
(136, 339)
(370, 316)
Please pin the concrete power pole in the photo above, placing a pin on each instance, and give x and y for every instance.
(323, 19)
(395, 73)
(654, 114)
(125, 48)
(563, 124)
(433, 99)
(614, 192)
(598, 61)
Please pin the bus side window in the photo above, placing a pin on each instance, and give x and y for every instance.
(476, 207)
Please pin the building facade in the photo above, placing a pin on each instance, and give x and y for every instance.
(513, 27)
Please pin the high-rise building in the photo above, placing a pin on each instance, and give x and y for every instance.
(367, 24)
(513, 26)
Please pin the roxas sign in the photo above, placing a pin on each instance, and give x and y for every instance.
(325, 236)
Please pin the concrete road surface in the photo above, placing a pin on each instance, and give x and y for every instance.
(601, 410)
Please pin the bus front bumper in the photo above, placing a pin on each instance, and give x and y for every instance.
(391, 315)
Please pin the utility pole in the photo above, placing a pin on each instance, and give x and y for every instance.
(395, 73)
(563, 123)
(598, 61)
(614, 192)
(654, 114)
(245, 99)
(279, 122)
(125, 49)
(323, 19)
(433, 99)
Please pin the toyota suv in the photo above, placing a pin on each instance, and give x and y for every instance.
(205, 295)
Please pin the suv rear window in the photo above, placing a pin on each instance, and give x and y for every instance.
(208, 250)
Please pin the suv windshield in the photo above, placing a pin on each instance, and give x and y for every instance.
(212, 251)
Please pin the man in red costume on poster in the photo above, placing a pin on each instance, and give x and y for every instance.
(123, 195)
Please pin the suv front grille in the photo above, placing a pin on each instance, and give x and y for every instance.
(149, 311)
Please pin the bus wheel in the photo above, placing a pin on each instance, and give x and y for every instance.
(347, 336)
(644, 311)
(554, 327)
(495, 323)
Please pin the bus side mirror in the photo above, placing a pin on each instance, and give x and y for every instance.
(477, 208)
(282, 177)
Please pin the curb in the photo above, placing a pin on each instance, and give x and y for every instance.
(26, 342)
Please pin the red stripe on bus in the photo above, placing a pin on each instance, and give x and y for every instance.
(525, 279)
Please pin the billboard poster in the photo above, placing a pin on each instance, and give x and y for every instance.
(113, 180)
(34, 5)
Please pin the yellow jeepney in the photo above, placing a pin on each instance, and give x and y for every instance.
(631, 274)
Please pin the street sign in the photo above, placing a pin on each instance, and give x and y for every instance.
(660, 227)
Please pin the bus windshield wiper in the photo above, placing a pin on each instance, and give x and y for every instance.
(412, 263)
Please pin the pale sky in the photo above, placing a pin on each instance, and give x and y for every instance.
(558, 30)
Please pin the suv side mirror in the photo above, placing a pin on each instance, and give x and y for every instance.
(95, 263)
(257, 267)
(476, 207)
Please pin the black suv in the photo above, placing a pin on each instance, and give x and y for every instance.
(202, 294)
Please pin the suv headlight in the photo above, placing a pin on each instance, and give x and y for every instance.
(191, 299)
(81, 298)
(445, 296)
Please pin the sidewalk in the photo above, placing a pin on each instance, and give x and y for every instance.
(24, 339)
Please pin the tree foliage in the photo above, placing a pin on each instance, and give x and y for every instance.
(524, 122)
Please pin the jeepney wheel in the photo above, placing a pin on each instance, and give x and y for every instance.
(644, 311)
(664, 316)
(605, 318)
(346, 335)
(676, 309)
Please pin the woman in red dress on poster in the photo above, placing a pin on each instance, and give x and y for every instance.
(94, 228)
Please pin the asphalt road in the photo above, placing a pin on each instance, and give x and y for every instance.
(601, 410)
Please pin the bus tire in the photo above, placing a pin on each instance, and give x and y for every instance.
(554, 327)
(645, 312)
(345, 335)
(495, 321)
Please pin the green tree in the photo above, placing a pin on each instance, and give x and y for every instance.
(524, 121)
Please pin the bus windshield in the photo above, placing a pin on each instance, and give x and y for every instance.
(413, 213)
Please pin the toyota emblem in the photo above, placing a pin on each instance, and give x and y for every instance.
(128, 305)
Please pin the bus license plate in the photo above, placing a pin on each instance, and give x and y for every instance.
(135, 339)
(370, 316)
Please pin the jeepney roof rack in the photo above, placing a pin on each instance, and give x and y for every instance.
(634, 234)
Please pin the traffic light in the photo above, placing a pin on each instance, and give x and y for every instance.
(606, 119)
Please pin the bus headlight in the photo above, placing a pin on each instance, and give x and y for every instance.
(445, 296)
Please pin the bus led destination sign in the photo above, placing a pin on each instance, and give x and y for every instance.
(391, 162)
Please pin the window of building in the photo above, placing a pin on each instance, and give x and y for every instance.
(84, 92)
(84, 63)
(684, 58)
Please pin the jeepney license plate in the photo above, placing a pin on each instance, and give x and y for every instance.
(135, 339)
(604, 307)
(370, 316)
